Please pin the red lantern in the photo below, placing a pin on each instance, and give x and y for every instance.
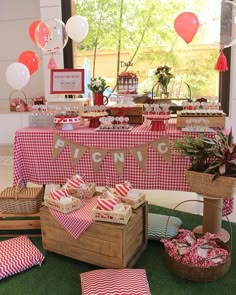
(186, 26)
(30, 59)
(32, 29)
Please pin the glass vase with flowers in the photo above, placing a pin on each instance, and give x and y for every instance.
(164, 76)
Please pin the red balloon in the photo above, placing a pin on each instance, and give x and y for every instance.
(30, 59)
(32, 29)
(186, 26)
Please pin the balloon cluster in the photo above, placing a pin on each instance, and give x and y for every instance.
(51, 37)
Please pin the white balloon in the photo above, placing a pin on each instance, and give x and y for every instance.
(77, 28)
(17, 75)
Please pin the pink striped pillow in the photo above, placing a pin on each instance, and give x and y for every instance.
(17, 255)
(115, 282)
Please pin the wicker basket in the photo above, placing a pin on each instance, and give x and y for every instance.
(112, 216)
(23, 97)
(201, 183)
(21, 200)
(199, 274)
(134, 203)
(64, 208)
(77, 193)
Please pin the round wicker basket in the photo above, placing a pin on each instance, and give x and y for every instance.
(200, 274)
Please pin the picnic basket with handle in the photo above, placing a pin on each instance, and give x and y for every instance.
(198, 273)
(15, 97)
(17, 199)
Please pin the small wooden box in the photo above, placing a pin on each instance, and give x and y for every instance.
(134, 113)
(103, 244)
(214, 121)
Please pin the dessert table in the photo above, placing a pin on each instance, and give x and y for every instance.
(34, 162)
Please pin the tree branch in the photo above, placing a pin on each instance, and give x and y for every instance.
(137, 48)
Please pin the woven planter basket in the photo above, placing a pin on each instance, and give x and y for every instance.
(201, 183)
(200, 274)
(21, 200)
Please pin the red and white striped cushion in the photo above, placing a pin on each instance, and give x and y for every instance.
(17, 255)
(115, 282)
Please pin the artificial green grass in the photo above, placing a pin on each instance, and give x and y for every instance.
(60, 275)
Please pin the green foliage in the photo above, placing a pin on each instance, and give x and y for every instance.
(209, 155)
(159, 44)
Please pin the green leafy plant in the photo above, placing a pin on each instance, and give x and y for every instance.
(215, 156)
(98, 85)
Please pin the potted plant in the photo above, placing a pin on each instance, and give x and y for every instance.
(98, 86)
(213, 163)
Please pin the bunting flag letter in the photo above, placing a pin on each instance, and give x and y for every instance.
(119, 157)
(162, 146)
(77, 152)
(59, 143)
(97, 157)
(140, 155)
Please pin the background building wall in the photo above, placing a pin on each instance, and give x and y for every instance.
(15, 18)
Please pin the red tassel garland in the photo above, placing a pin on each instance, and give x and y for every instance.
(221, 64)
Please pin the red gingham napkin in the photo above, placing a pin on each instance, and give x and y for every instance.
(76, 222)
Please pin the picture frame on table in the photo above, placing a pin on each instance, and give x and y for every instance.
(67, 81)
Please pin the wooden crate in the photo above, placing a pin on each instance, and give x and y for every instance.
(214, 121)
(12, 225)
(103, 244)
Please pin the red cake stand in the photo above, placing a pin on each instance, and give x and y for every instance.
(159, 122)
(94, 119)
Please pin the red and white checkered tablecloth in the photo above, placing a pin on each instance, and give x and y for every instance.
(76, 222)
(33, 158)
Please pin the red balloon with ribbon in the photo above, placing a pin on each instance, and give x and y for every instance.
(30, 59)
(186, 26)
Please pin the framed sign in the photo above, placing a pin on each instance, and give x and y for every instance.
(64, 81)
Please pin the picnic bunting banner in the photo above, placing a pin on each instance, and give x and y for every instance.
(97, 155)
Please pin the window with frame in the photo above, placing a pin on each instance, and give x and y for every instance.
(139, 36)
